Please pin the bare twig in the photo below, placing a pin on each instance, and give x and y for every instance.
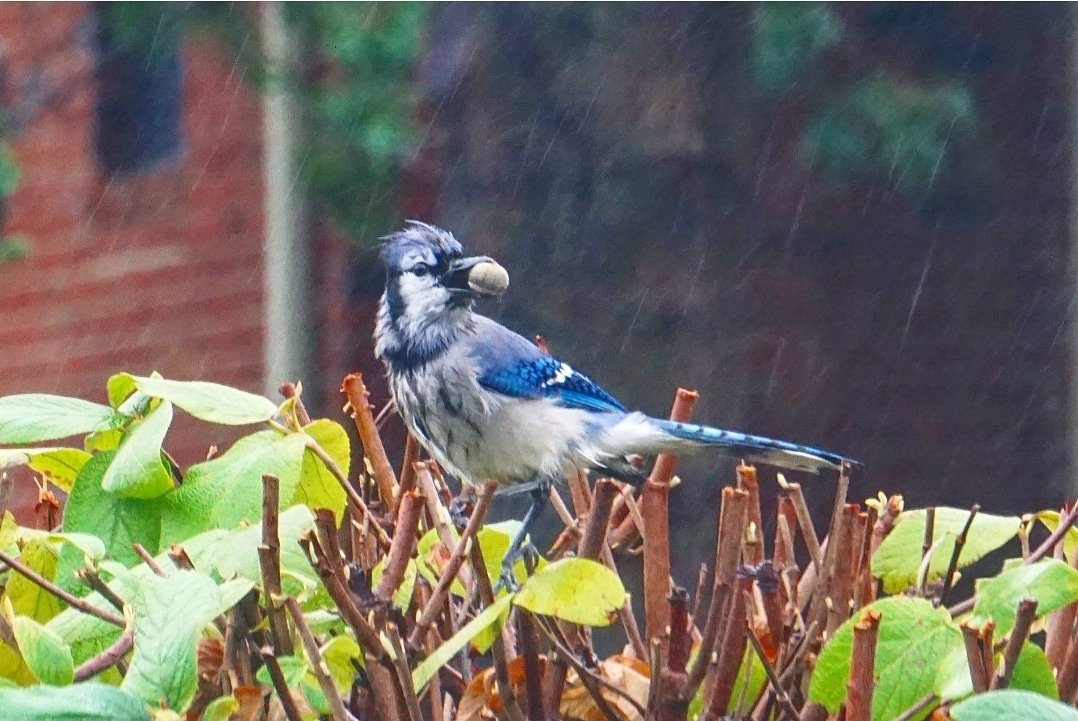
(733, 513)
(959, 544)
(862, 679)
(337, 589)
(408, 465)
(804, 519)
(269, 558)
(357, 394)
(452, 567)
(975, 652)
(110, 656)
(404, 675)
(498, 650)
(316, 663)
(654, 505)
(1023, 620)
(403, 546)
(280, 685)
(746, 481)
(359, 506)
(731, 651)
(92, 579)
(776, 687)
(148, 559)
(590, 680)
(1060, 624)
(918, 708)
(529, 651)
(1067, 678)
(47, 585)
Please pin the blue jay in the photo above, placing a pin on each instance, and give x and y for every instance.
(488, 404)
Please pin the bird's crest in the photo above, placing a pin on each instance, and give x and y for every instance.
(421, 237)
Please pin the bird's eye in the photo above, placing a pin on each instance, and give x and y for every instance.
(420, 269)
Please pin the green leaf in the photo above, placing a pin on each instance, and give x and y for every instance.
(578, 590)
(119, 522)
(402, 597)
(235, 552)
(1008, 705)
(227, 490)
(1050, 519)
(34, 417)
(221, 708)
(293, 669)
(442, 655)
(427, 569)
(136, 470)
(318, 488)
(898, 558)
(210, 402)
(914, 638)
(169, 614)
(57, 465)
(90, 701)
(103, 440)
(339, 653)
(1051, 582)
(119, 387)
(44, 651)
(86, 635)
(1032, 672)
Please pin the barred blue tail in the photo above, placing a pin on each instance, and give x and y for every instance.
(756, 448)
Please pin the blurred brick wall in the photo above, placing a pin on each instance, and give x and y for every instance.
(154, 271)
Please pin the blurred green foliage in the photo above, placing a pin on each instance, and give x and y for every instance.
(787, 38)
(355, 89)
(864, 121)
(360, 107)
(882, 126)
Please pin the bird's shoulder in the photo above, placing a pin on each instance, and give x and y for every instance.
(511, 365)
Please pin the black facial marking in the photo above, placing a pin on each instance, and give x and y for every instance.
(394, 299)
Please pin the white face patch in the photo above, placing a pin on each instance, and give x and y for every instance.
(423, 297)
(564, 373)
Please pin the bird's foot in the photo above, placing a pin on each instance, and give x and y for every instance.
(508, 578)
(460, 507)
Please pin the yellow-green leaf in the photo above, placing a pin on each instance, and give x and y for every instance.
(318, 488)
(578, 590)
(339, 653)
(48, 657)
(442, 655)
(57, 465)
(27, 598)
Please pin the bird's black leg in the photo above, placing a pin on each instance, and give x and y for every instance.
(518, 548)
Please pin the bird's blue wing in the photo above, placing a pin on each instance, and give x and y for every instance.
(512, 365)
(547, 377)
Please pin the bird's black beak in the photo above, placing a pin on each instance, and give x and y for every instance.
(476, 276)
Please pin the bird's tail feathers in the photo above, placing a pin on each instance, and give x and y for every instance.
(754, 448)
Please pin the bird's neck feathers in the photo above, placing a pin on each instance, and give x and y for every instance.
(410, 334)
